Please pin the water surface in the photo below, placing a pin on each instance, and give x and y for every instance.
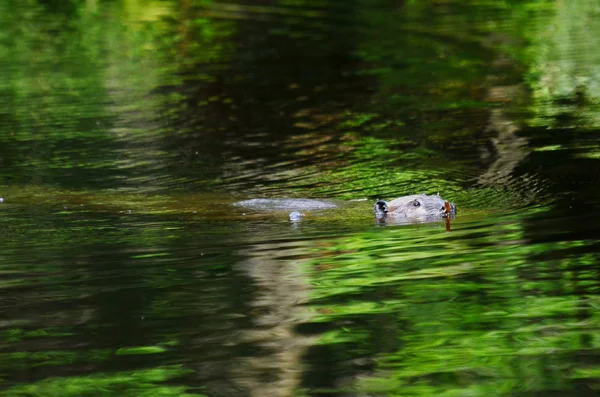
(129, 130)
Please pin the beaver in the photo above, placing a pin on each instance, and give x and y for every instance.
(420, 207)
(406, 209)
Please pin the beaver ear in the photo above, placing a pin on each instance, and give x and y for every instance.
(381, 206)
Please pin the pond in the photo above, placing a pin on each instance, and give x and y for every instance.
(129, 130)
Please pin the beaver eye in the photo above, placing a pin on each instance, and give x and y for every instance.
(416, 203)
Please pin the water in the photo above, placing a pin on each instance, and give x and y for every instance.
(129, 130)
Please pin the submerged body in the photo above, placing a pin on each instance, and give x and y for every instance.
(417, 207)
(297, 204)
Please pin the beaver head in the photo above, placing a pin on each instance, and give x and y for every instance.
(418, 207)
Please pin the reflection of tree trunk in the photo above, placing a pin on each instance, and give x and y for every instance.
(510, 149)
(276, 369)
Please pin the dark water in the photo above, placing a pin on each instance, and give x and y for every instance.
(128, 130)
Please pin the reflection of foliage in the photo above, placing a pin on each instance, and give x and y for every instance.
(460, 316)
(17, 334)
(424, 101)
(372, 166)
(145, 382)
(53, 358)
(427, 66)
(563, 58)
(128, 351)
(83, 100)
(357, 120)
(75, 103)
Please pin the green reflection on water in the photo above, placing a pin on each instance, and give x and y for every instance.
(454, 314)
(126, 351)
(77, 107)
(24, 360)
(139, 96)
(143, 382)
(563, 57)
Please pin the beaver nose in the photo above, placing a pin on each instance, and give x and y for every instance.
(448, 208)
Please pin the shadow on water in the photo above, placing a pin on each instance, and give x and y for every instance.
(128, 132)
